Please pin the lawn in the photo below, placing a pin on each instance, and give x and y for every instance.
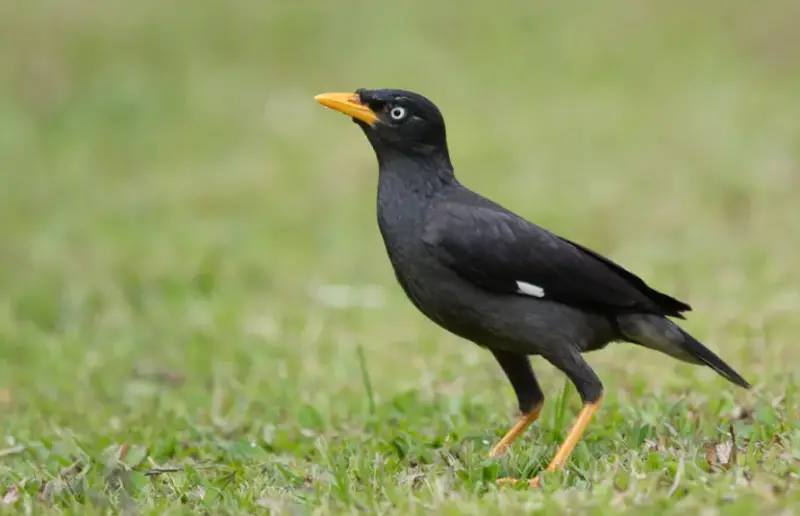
(196, 310)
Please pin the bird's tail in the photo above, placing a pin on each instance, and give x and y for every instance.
(661, 334)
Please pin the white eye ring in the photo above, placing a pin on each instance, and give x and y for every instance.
(397, 113)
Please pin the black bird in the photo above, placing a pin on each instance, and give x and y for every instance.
(493, 278)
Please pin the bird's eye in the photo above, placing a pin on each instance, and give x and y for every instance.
(397, 113)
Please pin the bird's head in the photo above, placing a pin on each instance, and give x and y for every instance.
(395, 121)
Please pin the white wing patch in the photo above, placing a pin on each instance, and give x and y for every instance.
(529, 290)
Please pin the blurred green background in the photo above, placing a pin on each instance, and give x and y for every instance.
(189, 250)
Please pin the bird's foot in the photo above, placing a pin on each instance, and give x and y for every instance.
(533, 483)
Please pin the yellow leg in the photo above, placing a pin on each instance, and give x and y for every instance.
(574, 435)
(520, 426)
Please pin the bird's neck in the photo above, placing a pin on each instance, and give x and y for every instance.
(422, 175)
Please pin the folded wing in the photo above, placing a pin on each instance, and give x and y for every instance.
(503, 253)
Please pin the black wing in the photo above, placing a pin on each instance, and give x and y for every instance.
(496, 250)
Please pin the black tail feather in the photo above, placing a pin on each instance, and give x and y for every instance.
(661, 334)
(696, 348)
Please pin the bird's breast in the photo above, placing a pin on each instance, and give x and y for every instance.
(430, 286)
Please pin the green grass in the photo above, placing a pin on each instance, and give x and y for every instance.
(173, 204)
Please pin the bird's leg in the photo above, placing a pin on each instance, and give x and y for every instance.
(574, 435)
(523, 422)
(529, 395)
(591, 391)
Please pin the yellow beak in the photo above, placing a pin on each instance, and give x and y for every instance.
(349, 104)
